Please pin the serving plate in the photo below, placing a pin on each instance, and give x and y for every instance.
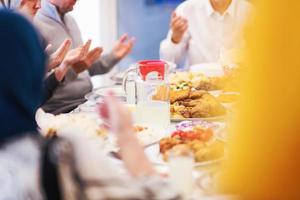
(147, 138)
(155, 157)
(209, 69)
(98, 93)
(118, 77)
(210, 119)
(215, 93)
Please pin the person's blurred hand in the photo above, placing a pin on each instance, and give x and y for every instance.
(123, 46)
(58, 56)
(48, 48)
(119, 120)
(72, 57)
(179, 26)
(88, 58)
(116, 116)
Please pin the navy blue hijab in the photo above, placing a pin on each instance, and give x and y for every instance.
(22, 67)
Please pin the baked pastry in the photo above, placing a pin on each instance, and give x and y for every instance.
(176, 95)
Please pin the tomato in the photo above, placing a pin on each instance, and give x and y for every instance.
(176, 133)
(193, 136)
(188, 135)
(183, 135)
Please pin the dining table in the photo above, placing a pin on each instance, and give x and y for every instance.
(204, 176)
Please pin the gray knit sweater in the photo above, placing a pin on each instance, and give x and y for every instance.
(70, 92)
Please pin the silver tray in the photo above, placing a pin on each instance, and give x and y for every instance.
(98, 93)
(118, 78)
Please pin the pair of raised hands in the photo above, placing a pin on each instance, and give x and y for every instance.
(81, 58)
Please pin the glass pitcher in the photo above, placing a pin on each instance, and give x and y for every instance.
(146, 85)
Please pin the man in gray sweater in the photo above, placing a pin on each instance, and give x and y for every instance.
(56, 25)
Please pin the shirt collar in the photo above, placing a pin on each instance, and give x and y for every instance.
(50, 10)
(209, 9)
(230, 10)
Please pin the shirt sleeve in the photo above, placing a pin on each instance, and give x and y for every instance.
(50, 84)
(173, 52)
(103, 65)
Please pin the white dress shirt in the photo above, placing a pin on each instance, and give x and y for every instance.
(209, 34)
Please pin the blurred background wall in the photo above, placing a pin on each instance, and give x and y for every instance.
(97, 20)
(148, 21)
(105, 21)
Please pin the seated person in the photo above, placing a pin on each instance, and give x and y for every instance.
(201, 31)
(56, 25)
(32, 167)
(62, 59)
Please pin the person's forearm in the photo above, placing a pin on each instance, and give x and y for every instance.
(103, 65)
(50, 84)
(53, 80)
(137, 165)
(170, 51)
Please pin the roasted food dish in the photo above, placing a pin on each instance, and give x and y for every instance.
(199, 141)
(197, 81)
(179, 94)
(228, 82)
(161, 93)
(189, 96)
(188, 103)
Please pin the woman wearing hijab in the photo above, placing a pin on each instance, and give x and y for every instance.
(30, 165)
(22, 72)
(62, 59)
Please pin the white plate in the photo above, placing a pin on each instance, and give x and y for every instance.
(156, 158)
(210, 119)
(118, 77)
(215, 93)
(150, 136)
(147, 138)
(101, 92)
(209, 69)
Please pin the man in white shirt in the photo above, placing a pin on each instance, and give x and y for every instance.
(203, 30)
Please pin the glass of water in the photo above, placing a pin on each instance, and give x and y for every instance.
(153, 106)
